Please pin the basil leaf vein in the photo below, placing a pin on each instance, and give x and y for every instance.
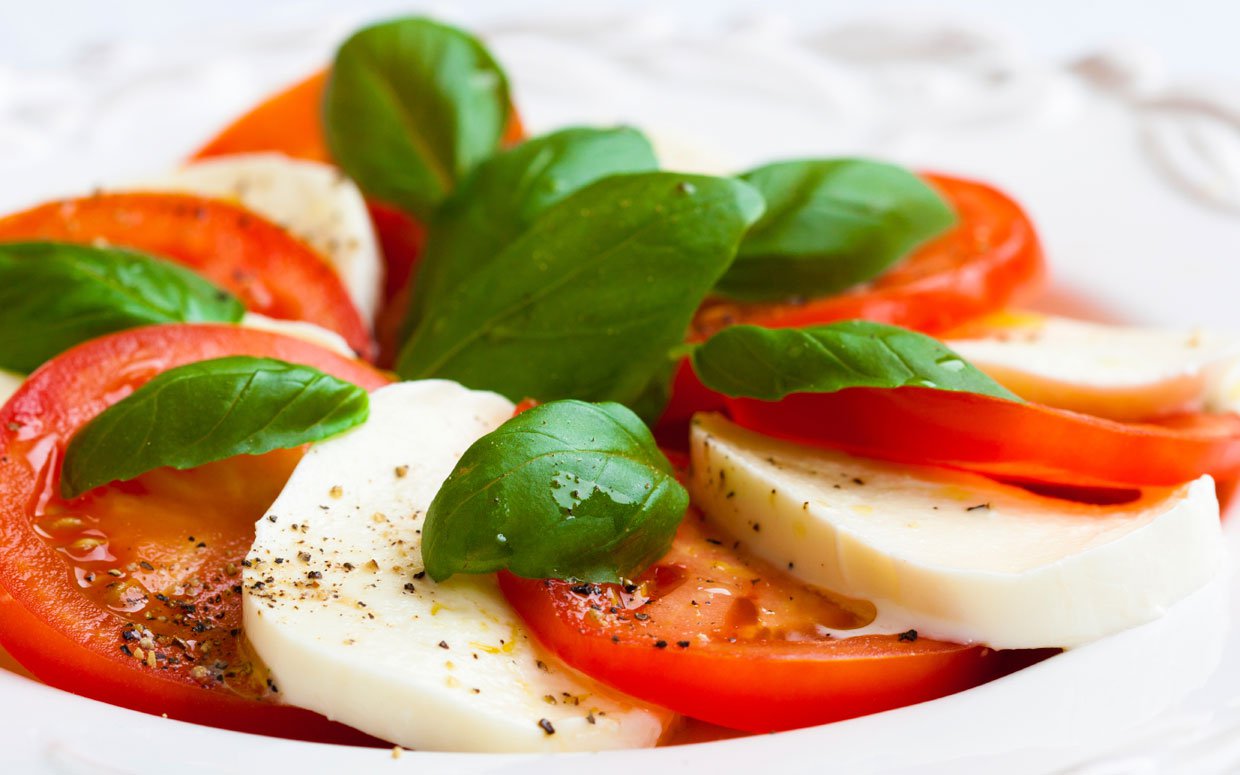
(207, 411)
(505, 194)
(768, 364)
(588, 301)
(567, 490)
(56, 295)
(829, 225)
(411, 106)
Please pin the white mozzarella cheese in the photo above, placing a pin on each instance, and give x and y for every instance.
(312, 200)
(300, 329)
(337, 606)
(958, 556)
(9, 383)
(1118, 372)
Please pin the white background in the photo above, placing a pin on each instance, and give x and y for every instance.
(1199, 36)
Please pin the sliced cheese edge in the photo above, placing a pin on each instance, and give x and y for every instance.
(312, 200)
(372, 642)
(956, 556)
(1125, 373)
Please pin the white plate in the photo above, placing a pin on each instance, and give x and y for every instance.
(1133, 180)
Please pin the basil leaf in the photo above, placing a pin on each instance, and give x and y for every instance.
(55, 295)
(765, 363)
(410, 107)
(504, 195)
(567, 490)
(589, 300)
(829, 225)
(207, 411)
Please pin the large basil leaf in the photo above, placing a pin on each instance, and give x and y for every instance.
(503, 196)
(411, 106)
(55, 295)
(587, 303)
(829, 225)
(207, 411)
(764, 363)
(566, 490)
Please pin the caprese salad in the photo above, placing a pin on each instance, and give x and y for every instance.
(381, 422)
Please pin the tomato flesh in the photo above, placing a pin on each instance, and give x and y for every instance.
(129, 594)
(1006, 439)
(735, 642)
(990, 260)
(271, 271)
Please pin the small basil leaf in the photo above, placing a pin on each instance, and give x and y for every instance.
(589, 300)
(765, 363)
(829, 225)
(504, 195)
(566, 490)
(56, 295)
(410, 107)
(207, 411)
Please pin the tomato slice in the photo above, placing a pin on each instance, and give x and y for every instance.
(734, 642)
(288, 121)
(1015, 441)
(991, 259)
(130, 594)
(272, 272)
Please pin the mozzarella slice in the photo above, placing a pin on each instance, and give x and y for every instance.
(312, 200)
(957, 556)
(9, 383)
(300, 329)
(1118, 372)
(337, 606)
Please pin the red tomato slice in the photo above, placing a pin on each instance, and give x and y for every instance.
(272, 272)
(734, 642)
(130, 594)
(289, 122)
(1016, 441)
(991, 259)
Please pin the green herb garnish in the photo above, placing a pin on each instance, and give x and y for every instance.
(566, 490)
(768, 364)
(208, 411)
(829, 225)
(55, 295)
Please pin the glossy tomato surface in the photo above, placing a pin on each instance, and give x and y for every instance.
(1008, 439)
(271, 271)
(990, 260)
(732, 641)
(130, 594)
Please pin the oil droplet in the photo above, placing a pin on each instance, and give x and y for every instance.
(90, 547)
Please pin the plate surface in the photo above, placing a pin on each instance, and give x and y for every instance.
(1132, 177)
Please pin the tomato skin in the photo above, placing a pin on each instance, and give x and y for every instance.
(1007, 439)
(990, 260)
(46, 621)
(272, 272)
(679, 643)
(289, 121)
